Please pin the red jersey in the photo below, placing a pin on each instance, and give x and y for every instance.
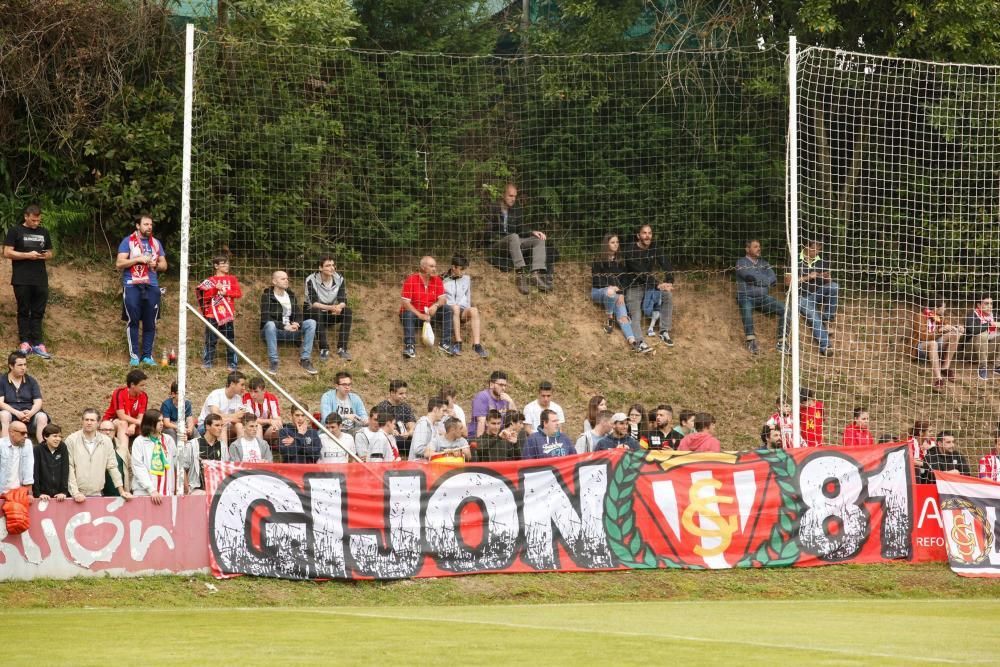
(915, 450)
(226, 286)
(134, 406)
(989, 467)
(787, 428)
(266, 409)
(419, 295)
(855, 436)
(811, 424)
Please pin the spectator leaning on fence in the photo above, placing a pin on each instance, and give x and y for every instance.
(92, 460)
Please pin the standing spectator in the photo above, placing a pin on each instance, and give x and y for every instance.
(810, 419)
(533, 411)
(17, 460)
(658, 437)
(606, 288)
(703, 439)
(458, 296)
(782, 418)
(857, 434)
(425, 431)
(754, 279)
(946, 457)
(345, 403)
(494, 397)
(507, 231)
(154, 460)
(984, 335)
(265, 406)
(619, 438)
(28, 246)
(51, 466)
(325, 302)
(21, 399)
(643, 260)
(492, 445)
(171, 417)
(208, 447)
(587, 442)
(376, 443)
(548, 441)
(298, 442)
(217, 296)
(934, 338)
(989, 464)
(685, 426)
(279, 322)
(92, 458)
(251, 448)
(451, 444)
(141, 258)
(227, 402)
(818, 294)
(399, 413)
(335, 449)
(636, 420)
(423, 299)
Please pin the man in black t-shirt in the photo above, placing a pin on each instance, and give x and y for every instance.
(28, 246)
(21, 398)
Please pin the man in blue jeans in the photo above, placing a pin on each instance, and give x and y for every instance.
(817, 294)
(140, 259)
(754, 279)
(280, 320)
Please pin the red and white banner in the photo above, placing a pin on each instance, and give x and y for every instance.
(602, 511)
(969, 508)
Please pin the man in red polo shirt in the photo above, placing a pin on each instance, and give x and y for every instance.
(424, 299)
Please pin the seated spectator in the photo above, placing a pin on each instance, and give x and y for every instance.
(506, 230)
(770, 437)
(636, 420)
(685, 426)
(754, 280)
(154, 460)
(920, 442)
(208, 447)
(594, 405)
(92, 457)
(548, 442)
(983, 334)
(494, 397)
(128, 405)
(342, 400)
(340, 448)
(606, 289)
(458, 297)
(945, 457)
(423, 299)
(21, 397)
(425, 431)
(643, 286)
(227, 402)
(326, 303)
(451, 444)
(17, 460)
(251, 448)
(280, 323)
(810, 419)
(492, 446)
(782, 418)
(399, 413)
(703, 439)
(51, 466)
(376, 443)
(533, 411)
(264, 405)
(171, 418)
(658, 435)
(123, 460)
(857, 434)
(818, 294)
(989, 464)
(298, 442)
(934, 338)
(451, 409)
(619, 438)
(587, 442)
(514, 429)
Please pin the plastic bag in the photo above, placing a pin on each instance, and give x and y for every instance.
(427, 334)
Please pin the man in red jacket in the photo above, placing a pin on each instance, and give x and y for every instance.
(856, 434)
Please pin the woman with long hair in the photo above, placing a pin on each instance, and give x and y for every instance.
(596, 404)
(606, 289)
(154, 460)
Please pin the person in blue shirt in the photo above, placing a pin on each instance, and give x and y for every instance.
(171, 417)
(754, 279)
(818, 294)
(141, 258)
(299, 442)
(548, 441)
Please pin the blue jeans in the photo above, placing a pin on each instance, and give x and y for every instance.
(142, 306)
(613, 309)
(211, 341)
(766, 304)
(411, 321)
(651, 301)
(825, 296)
(809, 310)
(272, 335)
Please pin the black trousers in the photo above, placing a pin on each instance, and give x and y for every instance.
(325, 319)
(31, 302)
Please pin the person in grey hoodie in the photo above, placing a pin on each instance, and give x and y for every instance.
(754, 279)
(326, 302)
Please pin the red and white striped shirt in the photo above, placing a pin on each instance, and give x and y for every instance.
(266, 409)
(989, 467)
(787, 428)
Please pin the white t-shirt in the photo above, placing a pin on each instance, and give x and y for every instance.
(226, 405)
(457, 412)
(286, 307)
(251, 450)
(533, 414)
(331, 453)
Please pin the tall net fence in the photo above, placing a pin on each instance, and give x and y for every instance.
(899, 178)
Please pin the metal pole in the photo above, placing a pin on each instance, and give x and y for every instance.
(793, 240)
(182, 288)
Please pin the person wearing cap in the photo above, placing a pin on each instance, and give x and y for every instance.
(703, 439)
(587, 442)
(548, 442)
(335, 449)
(619, 438)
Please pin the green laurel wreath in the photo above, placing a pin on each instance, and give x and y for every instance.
(779, 549)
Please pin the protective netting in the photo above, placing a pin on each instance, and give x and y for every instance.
(899, 178)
